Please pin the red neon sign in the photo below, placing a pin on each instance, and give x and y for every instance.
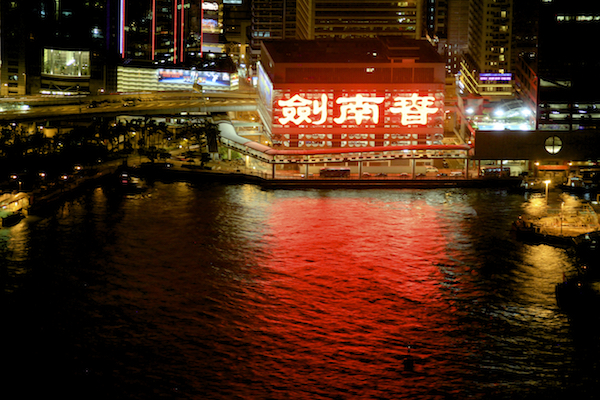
(356, 109)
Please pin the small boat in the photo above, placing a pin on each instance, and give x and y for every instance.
(12, 219)
(131, 184)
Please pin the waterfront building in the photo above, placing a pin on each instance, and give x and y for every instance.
(375, 100)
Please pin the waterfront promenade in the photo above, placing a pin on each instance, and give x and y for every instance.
(228, 172)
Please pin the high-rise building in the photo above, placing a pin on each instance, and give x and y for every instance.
(169, 31)
(486, 67)
(56, 46)
(318, 19)
(567, 65)
(13, 73)
(237, 29)
(272, 19)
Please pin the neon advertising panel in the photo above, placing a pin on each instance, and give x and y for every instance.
(358, 110)
(176, 76)
(203, 78)
(215, 78)
(360, 118)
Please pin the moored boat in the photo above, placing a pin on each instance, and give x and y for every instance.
(12, 219)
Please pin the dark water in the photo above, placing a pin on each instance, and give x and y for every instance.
(231, 292)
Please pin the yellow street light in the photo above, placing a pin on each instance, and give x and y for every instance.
(547, 182)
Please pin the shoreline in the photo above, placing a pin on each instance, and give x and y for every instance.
(38, 202)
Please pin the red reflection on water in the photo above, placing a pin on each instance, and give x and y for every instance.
(351, 284)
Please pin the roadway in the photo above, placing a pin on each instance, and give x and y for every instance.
(49, 108)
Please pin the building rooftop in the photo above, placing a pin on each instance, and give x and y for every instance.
(359, 50)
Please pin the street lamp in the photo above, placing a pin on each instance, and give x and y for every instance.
(562, 206)
(547, 182)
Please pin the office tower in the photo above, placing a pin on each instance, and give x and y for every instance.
(436, 19)
(272, 20)
(169, 31)
(55, 46)
(567, 65)
(317, 19)
(446, 26)
(457, 33)
(237, 29)
(486, 67)
(13, 74)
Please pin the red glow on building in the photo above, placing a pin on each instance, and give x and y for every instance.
(364, 95)
(358, 109)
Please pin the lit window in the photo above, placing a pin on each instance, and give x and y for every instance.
(553, 144)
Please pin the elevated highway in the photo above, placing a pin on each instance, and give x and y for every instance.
(170, 104)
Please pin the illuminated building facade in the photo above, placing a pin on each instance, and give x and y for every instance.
(271, 19)
(211, 71)
(169, 31)
(358, 97)
(358, 18)
(55, 46)
(486, 68)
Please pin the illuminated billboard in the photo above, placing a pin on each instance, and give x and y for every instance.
(213, 78)
(265, 88)
(176, 76)
(357, 118)
(358, 110)
(203, 78)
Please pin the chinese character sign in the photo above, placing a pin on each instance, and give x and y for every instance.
(298, 110)
(303, 110)
(358, 108)
(414, 109)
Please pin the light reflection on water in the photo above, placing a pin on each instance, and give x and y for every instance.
(210, 291)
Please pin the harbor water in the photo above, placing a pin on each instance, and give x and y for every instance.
(210, 291)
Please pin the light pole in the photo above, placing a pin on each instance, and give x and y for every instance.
(547, 182)
(562, 206)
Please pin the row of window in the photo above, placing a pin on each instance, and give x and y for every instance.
(361, 75)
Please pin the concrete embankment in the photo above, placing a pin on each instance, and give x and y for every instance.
(42, 200)
(263, 180)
